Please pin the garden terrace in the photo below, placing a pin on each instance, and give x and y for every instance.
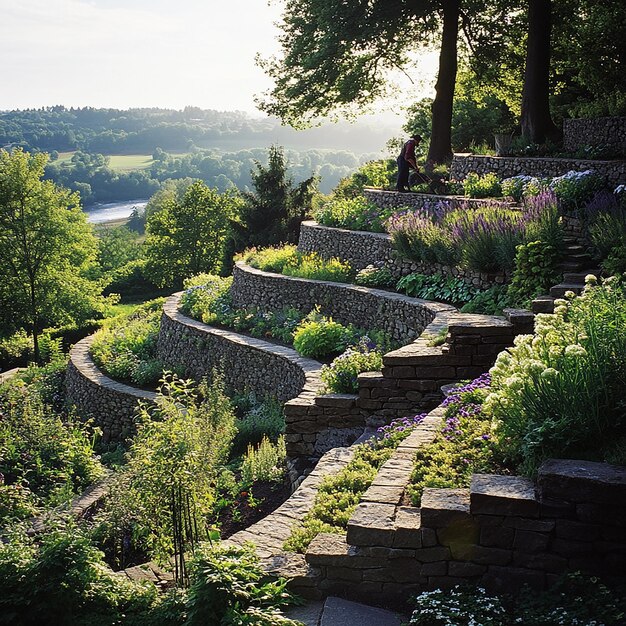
(400, 316)
(394, 199)
(109, 403)
(505, 167)
(501, 533)
(361, 248)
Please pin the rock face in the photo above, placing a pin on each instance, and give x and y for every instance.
(110, 404)
(505, 167)
(360, 249)
(607, 132)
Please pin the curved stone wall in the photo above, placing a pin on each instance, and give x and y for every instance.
(361, 248)
(393, 199)
(247, 363)
(110, 404)
(402, 317)
(504, 167)
(601, 131)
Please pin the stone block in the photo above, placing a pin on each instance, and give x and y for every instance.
(531, 542)
(491, 494)
(436, 568)
(336, 400)
(494, 537)
(371, 524)
(435, 372)
(536, 525)
(544, 562)
(407, 533)
(429, 537)
(384, 494)
(607, 514)
(582, 481)
(578, 531)
(441, 508)
(463, 569)
(490, 556)
(510, 579)
(328, 549)
(436, 553)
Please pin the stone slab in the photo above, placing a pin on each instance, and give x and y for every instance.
(339, 612)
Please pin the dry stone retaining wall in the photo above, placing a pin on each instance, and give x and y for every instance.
(505, 167)
(360, 249)
(602, 131)
(109, 403)
(404, 318)
(396, 200)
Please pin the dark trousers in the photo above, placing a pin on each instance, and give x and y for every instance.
(403, 174)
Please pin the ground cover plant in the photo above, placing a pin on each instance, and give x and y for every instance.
(125, 348)
(338, 495)
(353, 213)
(375, 276)
(437, 287)
(46, 455)
(573, 600)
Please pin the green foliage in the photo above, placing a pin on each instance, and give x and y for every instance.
(290, 262)
(45, 457)
(62, 579)
(486, 186)
(117, 247)
(608, 235)
(125, 348)
(189, 237)
(230, 587)
(437, 287)
(536, 270)
(259, 420)
(264, 463)
(273, 213)
(341, 375)
(574, 599)
(574, 189)
(47, 250)
(205, 297)
(166, 493)
(353, 213)
(319, 336)
(371, 276)
(491, 301)
(559, 394)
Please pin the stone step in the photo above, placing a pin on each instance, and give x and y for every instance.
(558, 291)
(574, 248)
(543, 304)
(570, 265)
(339, 612)
(579, 277)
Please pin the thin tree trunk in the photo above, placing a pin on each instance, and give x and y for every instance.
(537, 124)
(440, 149)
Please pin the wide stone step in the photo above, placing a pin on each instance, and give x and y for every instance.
(339, 612)
(543, 304)
(558, 291)
(579, 277)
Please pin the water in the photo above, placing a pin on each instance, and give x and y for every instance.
(112, 211)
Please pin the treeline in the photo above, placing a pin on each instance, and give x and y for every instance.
(91, 175)
(141, 131)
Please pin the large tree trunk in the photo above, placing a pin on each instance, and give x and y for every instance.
(537, 124)
(440, 149)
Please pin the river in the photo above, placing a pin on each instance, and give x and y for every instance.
(112, 211)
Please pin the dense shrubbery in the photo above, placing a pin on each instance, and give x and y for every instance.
(341, 375)
(125, 348)
(338, 495)
(372, 276)
(606, 218)
(355, 213)
(437, 287)
(486, 186)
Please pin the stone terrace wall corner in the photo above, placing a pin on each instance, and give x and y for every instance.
(602, 131)
(110, 404)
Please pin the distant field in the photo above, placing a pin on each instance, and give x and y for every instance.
(119, 162)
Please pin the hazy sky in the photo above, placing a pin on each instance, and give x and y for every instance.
(133, 53)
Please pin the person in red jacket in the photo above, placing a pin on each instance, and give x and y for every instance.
(406, 160)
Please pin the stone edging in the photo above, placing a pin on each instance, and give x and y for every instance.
(403, 317)
(109, 403)
(362, 248)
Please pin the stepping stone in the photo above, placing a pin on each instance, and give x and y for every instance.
(338, 612)
(309, 615)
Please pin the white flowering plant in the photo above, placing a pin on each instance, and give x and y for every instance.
(559, 393)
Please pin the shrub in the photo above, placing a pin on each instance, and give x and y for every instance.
(314, 267)
(492, 301)
(270, 259)
(536, 270)
(125, 349)
(264, 463)
(437, 287)
(205, 297)
(372, 276)
(574, 189)
(514, 187)
(44, 459)
(265, 419)
(559, 394)
(341, 375)
(319, 336)
(230, 587)
(543, 220)
(486, 186)
(355, 213)
(607, 230)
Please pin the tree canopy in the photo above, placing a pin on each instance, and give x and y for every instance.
(47, 249)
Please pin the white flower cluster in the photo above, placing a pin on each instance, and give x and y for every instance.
(571, 176)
